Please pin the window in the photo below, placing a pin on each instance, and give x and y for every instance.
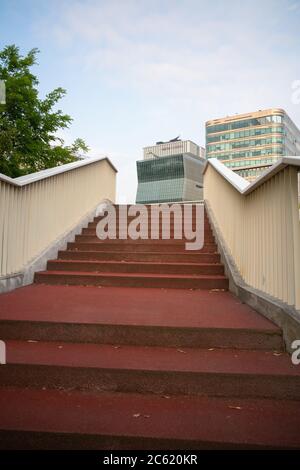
(244, 123)
(245, 133)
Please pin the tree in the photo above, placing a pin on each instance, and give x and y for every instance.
(28, 124)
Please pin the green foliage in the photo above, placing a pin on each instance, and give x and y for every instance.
(28, 125)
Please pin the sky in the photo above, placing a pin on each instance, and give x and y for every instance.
(141, 71)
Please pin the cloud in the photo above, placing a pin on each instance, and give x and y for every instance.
(294, 6)
(183, 62)
(170, 53)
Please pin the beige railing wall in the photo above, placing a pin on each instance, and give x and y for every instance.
(261, 228)
(35, 211)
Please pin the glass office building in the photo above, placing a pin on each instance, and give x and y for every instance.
(170, 178)
(250, 143)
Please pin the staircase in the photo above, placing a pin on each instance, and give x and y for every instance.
(136, 263)
(139, 345)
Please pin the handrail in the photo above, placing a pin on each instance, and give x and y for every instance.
(39, 175)
(259, 223)
(244, 186)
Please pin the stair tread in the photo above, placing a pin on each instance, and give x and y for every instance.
(130, 275)
(171, 241)
(113, 262)
(252, 422)
(103, 247)
(187, 253)
(151, 358)
(135, 306)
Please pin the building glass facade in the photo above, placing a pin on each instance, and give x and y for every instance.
(172, 178)
(250, 143)
(160, 180)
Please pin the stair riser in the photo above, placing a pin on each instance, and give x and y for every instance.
(149, 212)
(29, 440)
(120, 236)
(92, 230)
(92, 238)
(124, 228)
(181, 241)
(123, 281)
(140, 257)
(138, 247)
(143, 381)
(159, 268)
(125, 223)
(141, 335)
(123, 217)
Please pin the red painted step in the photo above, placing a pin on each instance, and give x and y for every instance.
(111, 245)
(208, 237)
(139, 272)
(135, 267)
(173, 281)
(149, 241)
(71, 420)
(121, 216)
(158, 370)
(136, 316)
(123, 222)
(175, 333)
(187, 257)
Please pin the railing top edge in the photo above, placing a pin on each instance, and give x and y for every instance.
(233, 178)
(272, 171)
(242, 185)
(39, 175)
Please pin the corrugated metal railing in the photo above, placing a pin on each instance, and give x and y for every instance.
(260, 225)
(36, 209)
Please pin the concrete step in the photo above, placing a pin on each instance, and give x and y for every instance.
(129, 246)
(136, 316)
(208, 236)
(158, 224)
(93, 238)
(173, 281)
(186, 257)
(52, 419)
(164, 205)
(122, 216)
(135, 267)
(126, 222)
(150, 222)
(158, 370)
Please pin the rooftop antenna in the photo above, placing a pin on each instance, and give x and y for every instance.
(175, 140)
